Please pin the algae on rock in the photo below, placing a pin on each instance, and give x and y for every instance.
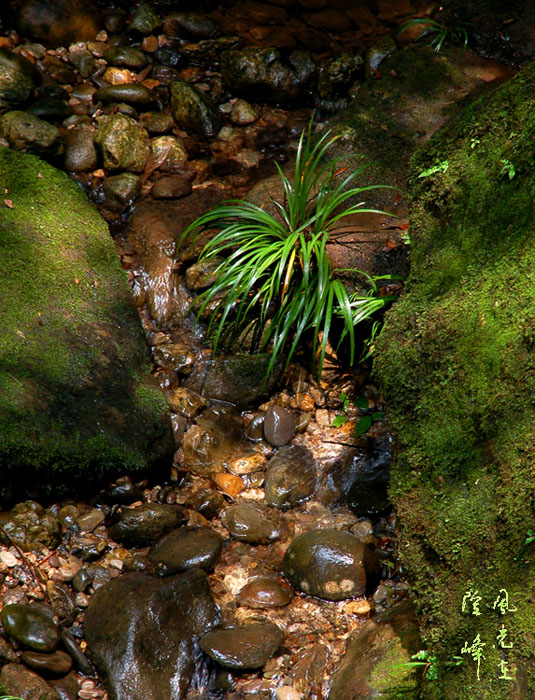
(77, 401)
(456, 361)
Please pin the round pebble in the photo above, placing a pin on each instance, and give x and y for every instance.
(279, 426)
(184, 548)
(240, 648)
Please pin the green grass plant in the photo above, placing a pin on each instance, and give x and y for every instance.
(437, 32)
(276, 287)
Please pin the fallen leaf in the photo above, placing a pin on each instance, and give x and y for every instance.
(8, 203)
(40, 176)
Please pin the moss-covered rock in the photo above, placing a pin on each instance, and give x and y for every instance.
(77, 402)
(457, 365)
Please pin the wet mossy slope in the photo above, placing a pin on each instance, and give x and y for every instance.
(77, 401)
(457, 366)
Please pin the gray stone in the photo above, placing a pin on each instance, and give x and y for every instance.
(15, 87)
(131, 93)
(243, 113)
(124, 144)
(49, 665)
(80, 153)
(184, 548)
(16, 680)
(168, 154)
(259, 72)
(31, 527)
(142, 633)
(144, 21)
(329, 564)
(26, 132)
(238, 379)
(125, 56)
(251, 522)
(291, 477)
(264, 592)
(30, 627)
(241, 648)
(376, 54)
(142, 525)
(279, 426)
(122, 189)
(58, 23)
(192, 110)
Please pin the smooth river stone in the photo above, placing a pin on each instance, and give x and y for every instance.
(131, 93)
(18, 680)
(251, 522)
(264, 592)
(56, 664)
(30, 627)
(279, 426)
(185, 548)
(142, 633)
(140, 526)
(241, 648)
(291, 476)
(329, 564)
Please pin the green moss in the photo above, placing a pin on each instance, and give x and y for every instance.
(457, 365)
(74, 367)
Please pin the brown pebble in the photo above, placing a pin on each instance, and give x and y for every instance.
(171, 187)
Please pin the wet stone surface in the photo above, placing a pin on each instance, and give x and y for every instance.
(241, 648)
(186, 548)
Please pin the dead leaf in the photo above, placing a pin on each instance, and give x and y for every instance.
(8, 203)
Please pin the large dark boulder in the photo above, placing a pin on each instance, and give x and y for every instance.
(77, 401)
(456, 362)
(143, 634)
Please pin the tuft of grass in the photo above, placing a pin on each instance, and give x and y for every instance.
(437, 32)
(275, 288)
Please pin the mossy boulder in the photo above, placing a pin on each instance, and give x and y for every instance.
(77, 401)
(456, 362)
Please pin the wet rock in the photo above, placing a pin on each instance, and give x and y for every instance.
(264, 592)
(62, 601)
(31, 527)
(330, 19)
(329, 564)
(6, 652)
(207, 502)
(80, 153)
(16, 680)
(238, 379)
(247, 464)
(123, 494)
(124, 144)
(189, 25)
(157, 122)
(212, 442)
(192, 110)
(338, 75)
(279, 426)
(15, 87)
(251, 522)
(121, 190)
(139, 526)
(26, 132)
(376, 54)
(243, 113)
(144, 21)
(184, 548)
(67, 688)
(255, 429)
(185, 402)
(82, 580)
(49, 109)
(171, 187)
(368, 491)
(48, 665)
(58, 22)
(168, 153)
(131, 93)
(30, 627)
(80, 660)
(260, 72)
(83, 61)
(291, 477)
(377, 656)
(241, 648)
(20, 65)
(125, 56)
(142, 633)
(201, 275)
